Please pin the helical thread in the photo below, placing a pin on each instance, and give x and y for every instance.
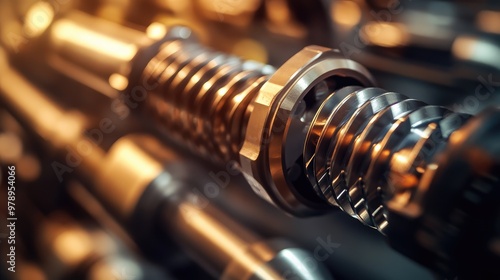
(372, 144)
(363, 147)
(203, 98)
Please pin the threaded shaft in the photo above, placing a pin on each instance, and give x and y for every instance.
(203, 96)
(361, 146)
(364, 141)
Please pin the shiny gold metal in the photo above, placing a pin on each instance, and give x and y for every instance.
(290, 130)
(69, 247)
(228, 247)
(271, 147)
(310, 135)
(96, 56)
(120, 176)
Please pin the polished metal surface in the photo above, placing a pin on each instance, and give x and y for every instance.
(68, 247)
(373, 136)
(203, 96)
(346, 143)
(224, 247)
(273, 145)
(313, 135)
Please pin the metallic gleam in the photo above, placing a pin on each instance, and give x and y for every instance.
(276, 131)
(313, 135)
(157, 197)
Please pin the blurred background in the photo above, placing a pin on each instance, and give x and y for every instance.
(441, 52)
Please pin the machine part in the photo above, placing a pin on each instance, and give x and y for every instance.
(142, 183)
(466, 223)
(72, 250)
(313, 134)
(211, 100)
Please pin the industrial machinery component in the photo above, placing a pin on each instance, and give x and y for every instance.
(155, 191)
(315, 133)
(316, 129)
(73, 250)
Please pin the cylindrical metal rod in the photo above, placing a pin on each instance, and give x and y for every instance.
(203, 97)
(315, 133)
(75, 249)
(137, 178)
(311, 133)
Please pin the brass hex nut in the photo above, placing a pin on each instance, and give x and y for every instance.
(272, 145)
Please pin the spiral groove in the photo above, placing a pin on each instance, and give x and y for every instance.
(362, 140)
(203, 97)
(363, 147)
